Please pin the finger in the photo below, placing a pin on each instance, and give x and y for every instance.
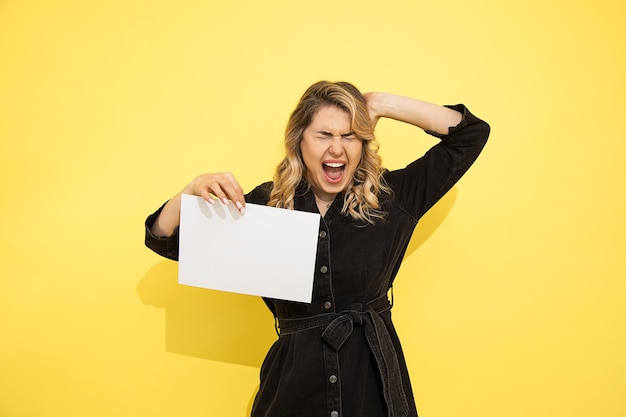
(206, 195)
(234, 192)
(216, 189)
(240, 207)
(199, 188)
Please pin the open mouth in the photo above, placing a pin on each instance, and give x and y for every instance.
(333, 171)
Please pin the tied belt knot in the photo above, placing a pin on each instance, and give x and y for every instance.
(337, 329)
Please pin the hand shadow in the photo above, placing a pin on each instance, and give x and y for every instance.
(208, 324)
(431, 221)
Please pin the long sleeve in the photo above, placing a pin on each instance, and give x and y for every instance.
(423, 182)
(164, 246)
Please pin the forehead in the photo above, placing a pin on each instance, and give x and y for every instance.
(331, 117)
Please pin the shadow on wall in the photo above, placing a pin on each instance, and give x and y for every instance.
(208, 324)
(431, 221)
(229, 327)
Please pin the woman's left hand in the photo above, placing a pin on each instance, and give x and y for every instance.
(371, 100)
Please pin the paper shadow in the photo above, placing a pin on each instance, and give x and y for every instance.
(431, 221)
(208, 324)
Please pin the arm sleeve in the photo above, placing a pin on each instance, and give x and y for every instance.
(423, 182)
(164, 246)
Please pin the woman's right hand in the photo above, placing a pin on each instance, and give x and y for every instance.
(222, 186)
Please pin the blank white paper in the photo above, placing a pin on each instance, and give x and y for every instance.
(268, 251)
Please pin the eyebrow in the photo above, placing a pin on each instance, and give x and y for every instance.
(327, 133)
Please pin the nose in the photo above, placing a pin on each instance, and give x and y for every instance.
(335, 147)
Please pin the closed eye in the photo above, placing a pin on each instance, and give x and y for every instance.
(324, 135)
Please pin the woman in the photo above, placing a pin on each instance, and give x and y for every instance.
(340, 355)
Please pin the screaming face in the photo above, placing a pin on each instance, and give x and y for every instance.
(331, 152)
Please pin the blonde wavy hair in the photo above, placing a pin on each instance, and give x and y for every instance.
(361, 198)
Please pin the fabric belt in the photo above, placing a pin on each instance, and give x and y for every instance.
(339, 326)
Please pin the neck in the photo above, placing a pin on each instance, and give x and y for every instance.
(321, 201)
(322, 197)
(323, 205)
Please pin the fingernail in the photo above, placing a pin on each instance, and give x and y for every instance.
(242, 211)
(225, 201)
(238, 204)
(211, 201)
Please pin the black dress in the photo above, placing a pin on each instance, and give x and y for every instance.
(340, 356)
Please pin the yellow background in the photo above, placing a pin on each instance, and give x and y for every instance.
(512, 301)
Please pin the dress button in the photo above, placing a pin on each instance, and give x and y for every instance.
(323, 234)
(334, 414)
(332, 379)
(324, 269)
(328, 305)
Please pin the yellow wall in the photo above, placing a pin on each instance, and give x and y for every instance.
(512, 301)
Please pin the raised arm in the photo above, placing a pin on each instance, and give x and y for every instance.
(427, 116)
(222, 186)
(462, 136)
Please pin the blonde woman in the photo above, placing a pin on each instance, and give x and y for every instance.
(340, 355)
